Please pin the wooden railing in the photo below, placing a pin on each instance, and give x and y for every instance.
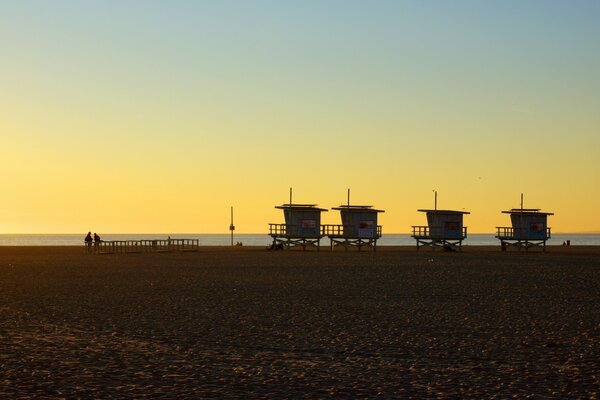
(347, 230)
(281, 229)
(332, 230)
(325, 230)
(508, 232)
(145, 246)
(426, 232)
(420, 231)
(293, 231)
(505, 232)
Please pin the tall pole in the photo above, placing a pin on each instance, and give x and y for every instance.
(435, 200)
(231, 226)
(348, 197)
(521, 202)
(522, 216)
(291, 220)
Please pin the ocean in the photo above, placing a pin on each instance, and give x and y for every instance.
(259, 239)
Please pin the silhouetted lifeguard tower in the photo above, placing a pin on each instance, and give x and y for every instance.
(529, 228)
(302, 226)
(444, 228)
(359, 227)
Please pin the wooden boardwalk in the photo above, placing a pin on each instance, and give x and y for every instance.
(144, 246)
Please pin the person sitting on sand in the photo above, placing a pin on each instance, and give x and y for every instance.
(88, 241)
(449, 248)
(276, 246)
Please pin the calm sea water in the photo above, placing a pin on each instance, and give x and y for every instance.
(265, 240)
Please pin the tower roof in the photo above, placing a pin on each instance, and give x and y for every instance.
(352, 208)
(444, 211)
(527, 211)
(299, 207)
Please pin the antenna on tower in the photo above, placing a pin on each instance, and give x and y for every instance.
(287, 229)
(521, 202)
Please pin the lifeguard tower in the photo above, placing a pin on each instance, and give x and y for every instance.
(529, 229)
(358, 229)
(444, 228)
(302, 226)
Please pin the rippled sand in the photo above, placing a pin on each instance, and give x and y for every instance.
(247, 323)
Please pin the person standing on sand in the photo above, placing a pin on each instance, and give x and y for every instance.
(97, 241)
(88, 242)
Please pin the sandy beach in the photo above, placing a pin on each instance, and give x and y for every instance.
(248, 323)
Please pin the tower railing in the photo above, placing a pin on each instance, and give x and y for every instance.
(512, 233)
(350, 231)
(427, 232)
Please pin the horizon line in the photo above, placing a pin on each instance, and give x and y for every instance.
(249, 233)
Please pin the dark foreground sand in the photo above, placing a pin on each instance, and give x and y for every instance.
(247, 323)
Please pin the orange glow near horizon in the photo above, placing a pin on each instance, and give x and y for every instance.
(162, 122)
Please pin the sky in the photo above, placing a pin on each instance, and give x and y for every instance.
(158, 116)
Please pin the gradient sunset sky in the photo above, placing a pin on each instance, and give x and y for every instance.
(157, 116)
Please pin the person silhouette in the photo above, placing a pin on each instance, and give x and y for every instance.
(97, 241)
(88, 242)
